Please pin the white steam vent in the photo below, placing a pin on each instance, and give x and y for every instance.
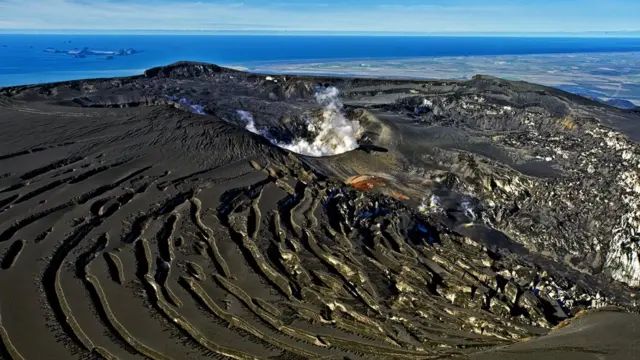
(332, 134)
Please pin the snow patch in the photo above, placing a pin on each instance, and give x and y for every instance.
(431, 205)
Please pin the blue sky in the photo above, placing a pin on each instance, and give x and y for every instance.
(414, 16)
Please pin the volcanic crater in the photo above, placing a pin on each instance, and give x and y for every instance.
(196, 211)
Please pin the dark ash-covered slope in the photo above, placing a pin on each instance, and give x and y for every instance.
(139, 218)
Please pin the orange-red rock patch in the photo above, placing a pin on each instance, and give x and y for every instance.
(365, 182)
(399, 196)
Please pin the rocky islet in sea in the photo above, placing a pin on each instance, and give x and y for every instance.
(86, 51)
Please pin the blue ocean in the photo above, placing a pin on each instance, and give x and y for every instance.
(23, 59)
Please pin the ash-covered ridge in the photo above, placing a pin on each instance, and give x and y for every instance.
(199, 211)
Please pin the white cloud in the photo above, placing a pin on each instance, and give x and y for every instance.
(194, 15)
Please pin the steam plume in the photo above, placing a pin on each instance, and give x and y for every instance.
(333, 133)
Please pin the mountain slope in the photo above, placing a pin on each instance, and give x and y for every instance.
(161, 216)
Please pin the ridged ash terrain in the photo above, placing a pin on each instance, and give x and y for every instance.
(143, 217)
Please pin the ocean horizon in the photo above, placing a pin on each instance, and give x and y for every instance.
(23, 59)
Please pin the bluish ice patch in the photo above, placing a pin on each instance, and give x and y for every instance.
(198, 109)
(184, 102)
(425, 233)
(536, 291)
(289, 200)
(373, 213)
(421, 109)
(331, 195)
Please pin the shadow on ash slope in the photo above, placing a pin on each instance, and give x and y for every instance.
(140, 219)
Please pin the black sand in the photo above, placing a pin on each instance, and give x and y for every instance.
(599, 335)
